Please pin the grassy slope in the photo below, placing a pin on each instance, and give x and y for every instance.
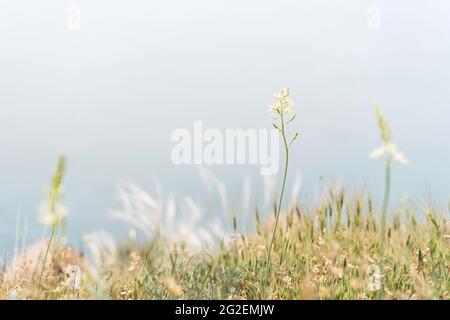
(331, 252)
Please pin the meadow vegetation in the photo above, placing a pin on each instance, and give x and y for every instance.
(329, 252)
(344, 246)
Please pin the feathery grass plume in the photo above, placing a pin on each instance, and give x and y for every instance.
(312, 260)
(172, 222)
(283, 113)
(390, 153)
(103, 251)
(53, 213)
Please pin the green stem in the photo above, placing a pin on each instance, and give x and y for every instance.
(45, 257)
(277, 216)
(53, 195)
(387, 189)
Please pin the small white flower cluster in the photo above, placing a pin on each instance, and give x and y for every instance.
(73, 277)
(282, 104)
(52, 216)
(388, 149)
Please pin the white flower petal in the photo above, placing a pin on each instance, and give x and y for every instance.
(378, 152)
(400, 158)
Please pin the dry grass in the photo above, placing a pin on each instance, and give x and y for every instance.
(330, 252)
(344, 248)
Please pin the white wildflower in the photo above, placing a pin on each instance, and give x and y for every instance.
(388, 149)
(73, 277)
(374, 280)
(50, 217)
(282, 104)
(391, 151)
